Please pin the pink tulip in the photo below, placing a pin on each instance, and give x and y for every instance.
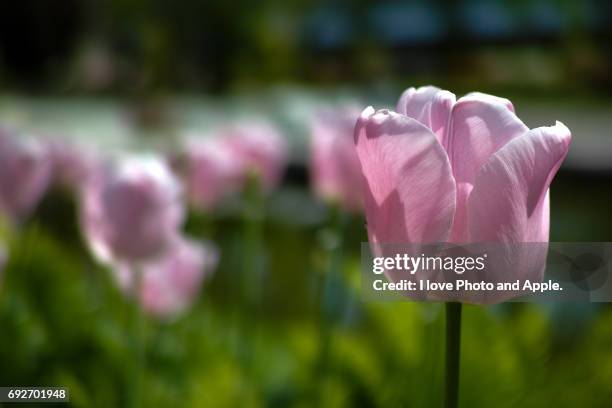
(335, 168)
(132, 210)
(211, 173)
(171, 282)
(441, 170)
(25, 173)
(72, 165)
(260, 149)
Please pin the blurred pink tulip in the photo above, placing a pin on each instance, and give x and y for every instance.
(72, 165)
(211, 173)
(132, 210)
(260, 149)
(335, 168)
(25, 174)
(171, 282)
(463, 171)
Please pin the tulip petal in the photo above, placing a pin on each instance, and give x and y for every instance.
(412, 101)
(429, 105)
(479, 126)
(409, 190)
(509, 202)
(488, 98)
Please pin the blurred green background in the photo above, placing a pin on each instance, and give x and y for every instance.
(135, 75)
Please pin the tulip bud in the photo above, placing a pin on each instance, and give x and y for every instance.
(335, 169)
(260, 149)
(132, 210)
(72, 165)
(170, 283)
(211, 173)
(25, 173)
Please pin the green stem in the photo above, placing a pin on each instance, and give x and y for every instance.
(253, 273)
(138, 327)
(252, 268)
(453, 347)
(332, 279)
(330, 291)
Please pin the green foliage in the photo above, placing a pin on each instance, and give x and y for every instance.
(64, 322)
